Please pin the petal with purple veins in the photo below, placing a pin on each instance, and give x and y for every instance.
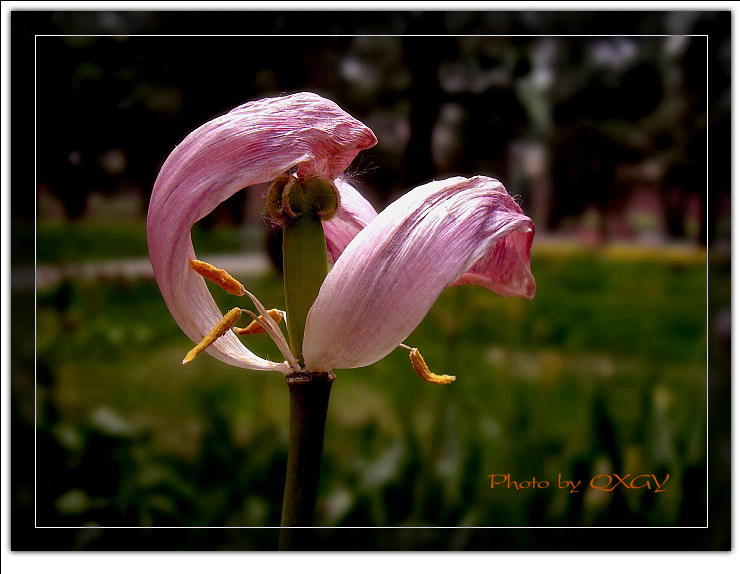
(392, 272)
(252, 144)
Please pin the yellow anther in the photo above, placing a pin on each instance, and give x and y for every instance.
(420, 367)
(218, 276)
(254, 328)
(219, 330)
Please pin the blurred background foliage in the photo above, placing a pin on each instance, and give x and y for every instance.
(601, 139)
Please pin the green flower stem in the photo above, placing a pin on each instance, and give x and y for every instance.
(309, 400)
(304, 268)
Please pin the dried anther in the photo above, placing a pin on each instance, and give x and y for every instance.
(421, 368)
(255, 327)
(218, 331)
(219, 276)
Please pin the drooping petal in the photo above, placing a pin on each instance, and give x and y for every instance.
(502, 273)
(353, 216)
(390, 274)
(252, 144)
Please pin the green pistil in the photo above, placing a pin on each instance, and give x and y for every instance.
(301, 206)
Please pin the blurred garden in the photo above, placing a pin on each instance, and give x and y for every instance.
(602, 140)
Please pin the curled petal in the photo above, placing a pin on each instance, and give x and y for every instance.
(353, 216)
(252, 144)
(388, 277)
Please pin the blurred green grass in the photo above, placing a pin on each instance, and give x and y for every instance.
(92, 240)
(604, 371)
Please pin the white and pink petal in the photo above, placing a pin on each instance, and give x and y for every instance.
(252, 144)
(354, 214)
(392, 272)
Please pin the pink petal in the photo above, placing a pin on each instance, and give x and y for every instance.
(505, 268)
(252, 144)
(355, 213)
(388, 277)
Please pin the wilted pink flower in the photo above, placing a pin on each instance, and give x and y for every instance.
(389, 269)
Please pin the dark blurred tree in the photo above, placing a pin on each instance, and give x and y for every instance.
(596, 113)
(585, 160)
(422, 57)
(614, 101)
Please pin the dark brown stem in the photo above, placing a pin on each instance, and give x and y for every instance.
(309, 400)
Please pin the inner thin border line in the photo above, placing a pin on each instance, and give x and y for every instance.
(35, 326)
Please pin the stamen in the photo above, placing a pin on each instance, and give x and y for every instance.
(421, 368)
(275, 333)
(219, 330)
(255, 328)
(219, 276)
(261, 323)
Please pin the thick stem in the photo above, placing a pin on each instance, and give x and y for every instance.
(304, 269)
(309, 400)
